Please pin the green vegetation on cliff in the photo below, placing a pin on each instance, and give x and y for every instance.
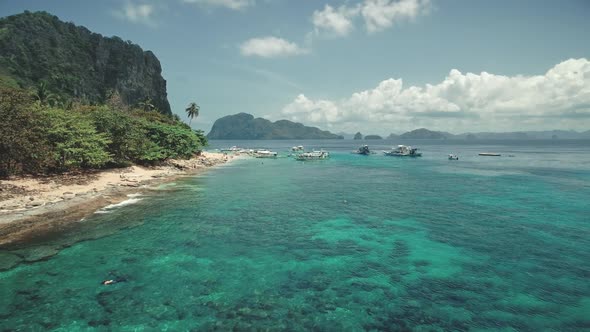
(76, 64)
(245, 126)
(37, 138)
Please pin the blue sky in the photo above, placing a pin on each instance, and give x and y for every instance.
(377, 66)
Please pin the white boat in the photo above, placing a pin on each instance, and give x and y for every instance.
(265, 154)
(403, 151)
(314, 155)
(246, 151)
(232, 149)
(453, 157)
(297, 148)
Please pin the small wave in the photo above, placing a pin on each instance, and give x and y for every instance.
(134, 195)
(110, 208)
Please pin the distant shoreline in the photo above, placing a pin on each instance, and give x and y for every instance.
(33, 205)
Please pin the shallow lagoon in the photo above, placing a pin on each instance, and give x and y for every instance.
(350, 243)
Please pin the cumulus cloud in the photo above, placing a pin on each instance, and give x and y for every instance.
(231, 4)
(136, 13)
(378, 15)
(558, 99)
(382, 14)
(270, 47)
(336, 21)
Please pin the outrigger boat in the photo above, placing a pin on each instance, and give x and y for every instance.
(403, 151)
(315, 155)
(364, 150)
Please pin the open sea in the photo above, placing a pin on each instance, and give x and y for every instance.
(351, 243)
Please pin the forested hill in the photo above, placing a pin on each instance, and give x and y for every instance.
(245, 126)
(74, 63)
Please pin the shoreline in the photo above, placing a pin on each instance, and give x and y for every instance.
(32, 206)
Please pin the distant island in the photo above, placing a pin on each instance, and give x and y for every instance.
(424, 133)
(245, 126)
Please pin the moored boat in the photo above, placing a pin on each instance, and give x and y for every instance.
(314, 155)
(489, 154)
(453, 157)
(297, 148)
(403, 151)
(364, 150)
(232, 149)
(265, 154)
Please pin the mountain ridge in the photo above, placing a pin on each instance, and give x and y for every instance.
(245, 126)
(423, 133)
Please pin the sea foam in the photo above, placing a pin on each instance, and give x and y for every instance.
(110, 208)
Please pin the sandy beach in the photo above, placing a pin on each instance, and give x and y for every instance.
(30, 205)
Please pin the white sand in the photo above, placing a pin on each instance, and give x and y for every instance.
(44, 191)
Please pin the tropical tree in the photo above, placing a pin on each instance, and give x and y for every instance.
(147, 105)
(43, 95)
(192, 111)
(115, 101)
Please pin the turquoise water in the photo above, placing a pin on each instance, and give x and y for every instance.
(347, 244)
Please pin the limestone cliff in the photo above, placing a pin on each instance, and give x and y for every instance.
(76, 63)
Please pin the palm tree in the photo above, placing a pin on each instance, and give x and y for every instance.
(192, 111)
(147, 105)
(43, 94)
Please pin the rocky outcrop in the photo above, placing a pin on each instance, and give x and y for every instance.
(78, 64)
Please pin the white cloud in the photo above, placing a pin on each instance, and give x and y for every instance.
(336, 21)
(136, 13)
(270, 47)
(382, 14)
(321, 111)
(378, 15)
(559, 99)
(231, 4)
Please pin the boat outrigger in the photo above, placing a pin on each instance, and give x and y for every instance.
(403, 151)
(315, 155)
